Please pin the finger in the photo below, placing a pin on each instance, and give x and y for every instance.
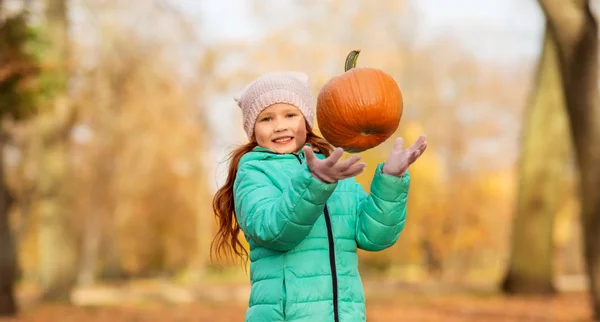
(422, 139)
(414, 156)
(334, 157)
(417, 154)
(345, 164)
(398, 144)
(354, 171)
(309, 154)
(417, 144)
(353, 168)
(422, 148)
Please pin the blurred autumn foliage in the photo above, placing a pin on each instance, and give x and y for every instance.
(147, 119)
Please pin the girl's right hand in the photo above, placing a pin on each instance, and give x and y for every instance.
(330, 170)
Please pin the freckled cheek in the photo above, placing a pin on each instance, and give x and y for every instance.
(301, 128)
(297, 126)
(262, 133)
(300, 132)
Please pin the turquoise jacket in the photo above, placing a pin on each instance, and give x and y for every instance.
(304, 234)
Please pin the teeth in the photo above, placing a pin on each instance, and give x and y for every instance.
(283, 139)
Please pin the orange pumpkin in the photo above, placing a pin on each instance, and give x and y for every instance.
(360, 108)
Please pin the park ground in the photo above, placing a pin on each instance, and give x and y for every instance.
(152, 301)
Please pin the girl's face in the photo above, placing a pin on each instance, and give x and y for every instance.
(280, 127)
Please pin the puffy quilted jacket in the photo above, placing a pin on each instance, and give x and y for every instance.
(303, 236)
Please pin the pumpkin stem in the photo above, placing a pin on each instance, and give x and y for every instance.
(351, 60)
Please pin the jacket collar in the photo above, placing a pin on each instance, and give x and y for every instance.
(259, 148)
(268, 153)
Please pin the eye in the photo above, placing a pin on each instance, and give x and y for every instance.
(290, 115)
(266, 119)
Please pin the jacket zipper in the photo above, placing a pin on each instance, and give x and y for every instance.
(298, 157)
(332, 265)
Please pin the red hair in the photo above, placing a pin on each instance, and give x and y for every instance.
(226, 241)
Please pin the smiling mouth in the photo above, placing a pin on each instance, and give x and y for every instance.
(283, 139)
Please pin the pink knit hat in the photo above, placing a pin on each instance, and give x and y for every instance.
(276, 87)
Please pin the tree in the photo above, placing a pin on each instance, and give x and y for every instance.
(544, 156)
(56, 242)
(575, 29)
(18, 72)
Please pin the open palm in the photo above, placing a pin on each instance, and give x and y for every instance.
(400, 159)
(332, 169)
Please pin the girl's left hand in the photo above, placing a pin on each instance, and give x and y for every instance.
(399, 160)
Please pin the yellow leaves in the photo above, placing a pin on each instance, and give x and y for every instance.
(452, 221)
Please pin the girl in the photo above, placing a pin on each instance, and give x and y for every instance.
(301, 210)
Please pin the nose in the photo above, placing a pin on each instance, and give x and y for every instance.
(280, 127)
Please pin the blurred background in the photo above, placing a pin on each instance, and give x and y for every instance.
(118, 117)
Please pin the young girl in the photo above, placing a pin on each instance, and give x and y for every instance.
(301, 210)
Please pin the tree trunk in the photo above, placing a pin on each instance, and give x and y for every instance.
(57, 262)
(90, 248)
(56, 240)
(576, 32)
(8, 261)
(544, 157)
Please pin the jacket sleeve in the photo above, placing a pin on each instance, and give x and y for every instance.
(382, 213)
(276, 218)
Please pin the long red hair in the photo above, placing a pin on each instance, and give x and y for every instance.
(226, 242)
